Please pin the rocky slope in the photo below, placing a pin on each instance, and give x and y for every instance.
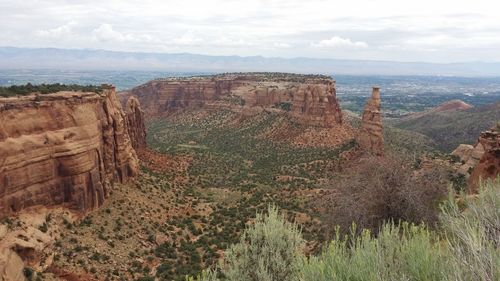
(311, 99)
(370, 137)
(66, 148)
(489, 163)
(449, 128)
(452, 105)
(481, 161)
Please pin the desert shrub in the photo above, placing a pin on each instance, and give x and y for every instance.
(29, 273)
(385, 189)
(29, 88)
(473, 230)
(399, 252)
(269, 250)
(206, 275)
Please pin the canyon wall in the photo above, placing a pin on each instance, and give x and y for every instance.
(66, 148)
(370, 137)
(135, 123)
(311, 99)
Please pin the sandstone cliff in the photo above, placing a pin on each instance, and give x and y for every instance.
(311, 99)
(370, 136)
(135, 123)
(488, 166)
(65, 148)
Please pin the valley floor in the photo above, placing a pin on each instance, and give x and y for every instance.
(202, 181)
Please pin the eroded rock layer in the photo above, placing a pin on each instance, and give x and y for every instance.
(311, 99)
(488, 166)
(135, 123)
(65, 148)
(370, 137)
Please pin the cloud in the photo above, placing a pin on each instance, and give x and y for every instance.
(282, 45)
(457, 31)
(188, 39)
(105, 32)
(231, 42)
(58, 32)
(339, 42)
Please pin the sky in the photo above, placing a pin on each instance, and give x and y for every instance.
(396, 30)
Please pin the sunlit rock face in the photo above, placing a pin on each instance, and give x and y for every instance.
(310, 99)
(65, 149)
(370, 137)
(488, 166)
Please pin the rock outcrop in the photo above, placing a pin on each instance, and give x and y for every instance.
(370, 137)
(470, 156)
(488, 166)
(311, 99)
(135, 123)
(66, 148)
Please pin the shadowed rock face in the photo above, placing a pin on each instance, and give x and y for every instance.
(310, 99)
(63, 149)
(488, 166)
(135, 123)
(370, 136)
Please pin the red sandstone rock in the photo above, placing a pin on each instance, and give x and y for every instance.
(311, 99)
(64, 148)
(370, 137)
(488, 166)
(135, 123)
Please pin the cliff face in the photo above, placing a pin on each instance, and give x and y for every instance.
(488, 166)
(370, 136)
(135, 123)
(63, 149)
(310, 99)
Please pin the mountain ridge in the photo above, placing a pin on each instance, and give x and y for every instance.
(98, 59)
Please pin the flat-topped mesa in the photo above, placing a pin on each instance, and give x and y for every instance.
(66, 148)
(488, 166)
(311, 99)
(370, 137)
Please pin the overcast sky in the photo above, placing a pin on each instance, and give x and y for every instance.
(398, 30)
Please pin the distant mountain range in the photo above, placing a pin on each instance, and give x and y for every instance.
(86, 59)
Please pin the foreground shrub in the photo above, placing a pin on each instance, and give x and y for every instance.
(269, 250)
(400, 252)
(468, 249)
(473, 230)
(385, 189)
(206, 275)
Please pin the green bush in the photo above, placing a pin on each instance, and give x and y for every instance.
(473, 232)
(268, 250)
(399, 252)
(29, 88)
(207, 275)
(468, 248)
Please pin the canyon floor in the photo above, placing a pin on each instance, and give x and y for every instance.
(202, 180)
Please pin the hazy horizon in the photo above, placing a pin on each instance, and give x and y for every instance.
(98, 59)
(248, 56)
